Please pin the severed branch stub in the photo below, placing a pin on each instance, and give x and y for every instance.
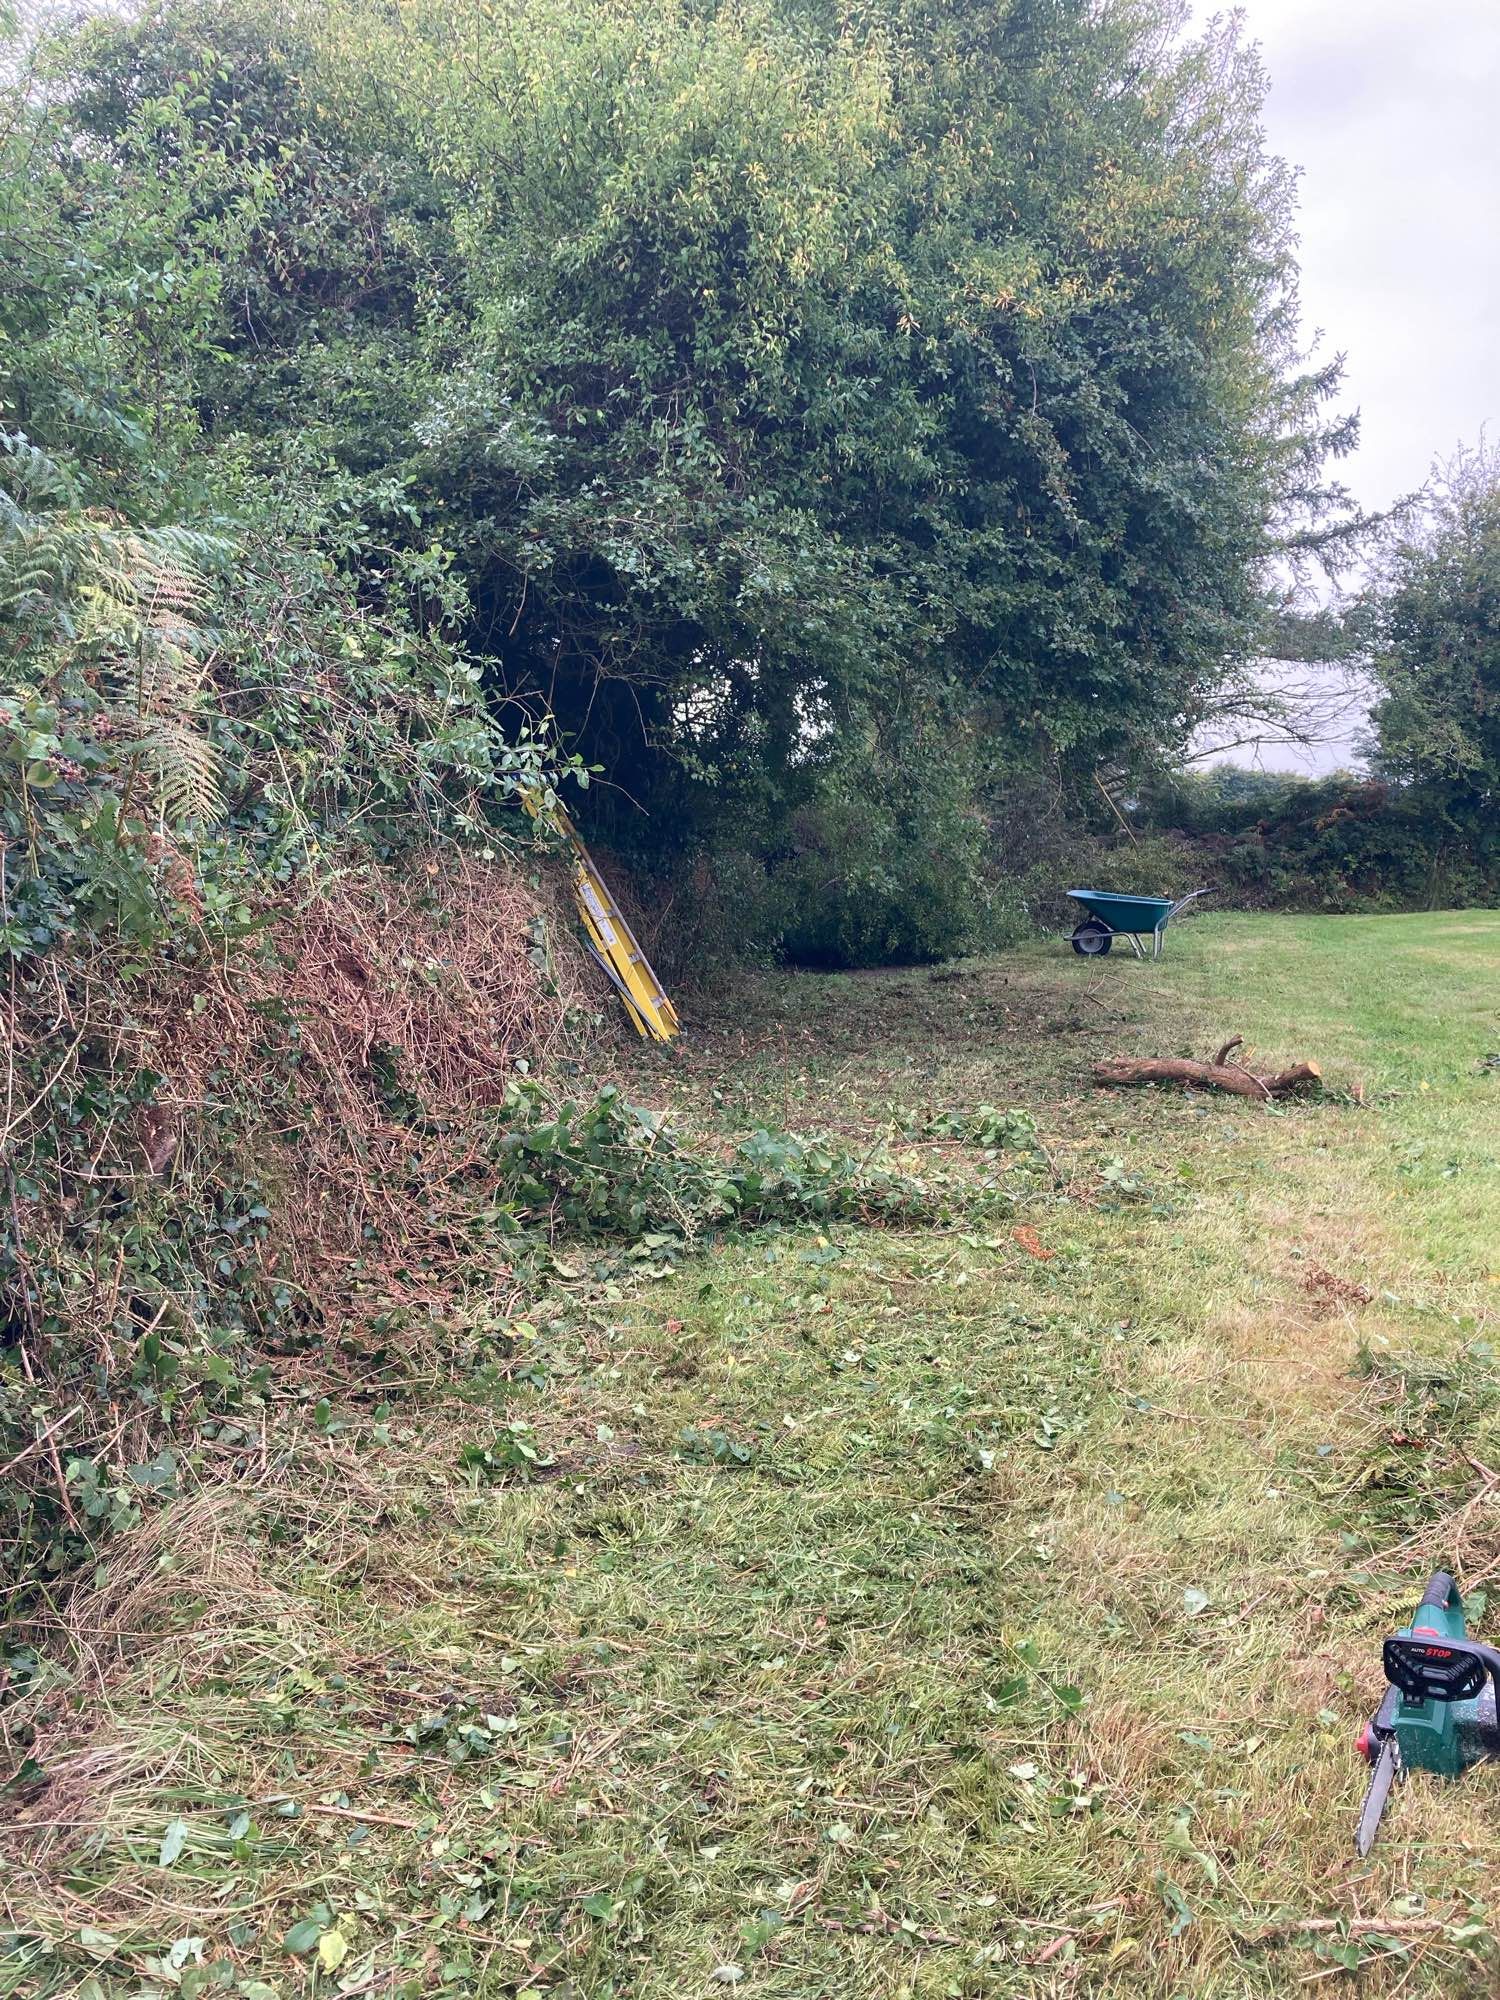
(1220, 1074)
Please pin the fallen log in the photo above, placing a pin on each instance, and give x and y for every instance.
(1216, 1075)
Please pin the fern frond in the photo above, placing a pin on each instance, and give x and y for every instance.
(186, 767)
(124, 604)
(157, 698)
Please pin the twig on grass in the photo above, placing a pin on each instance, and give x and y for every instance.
(41, 1439)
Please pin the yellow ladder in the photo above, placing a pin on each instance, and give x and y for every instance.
(610, 938)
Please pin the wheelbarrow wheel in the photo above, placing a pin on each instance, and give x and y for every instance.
(1092, 938)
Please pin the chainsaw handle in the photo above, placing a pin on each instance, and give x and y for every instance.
(1428, 1666)
(1440, 1592)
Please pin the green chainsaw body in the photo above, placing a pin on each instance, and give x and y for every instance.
(1440, 1705)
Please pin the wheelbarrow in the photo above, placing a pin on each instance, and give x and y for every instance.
(1129, 917)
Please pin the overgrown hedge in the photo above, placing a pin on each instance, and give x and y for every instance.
(1343, 843)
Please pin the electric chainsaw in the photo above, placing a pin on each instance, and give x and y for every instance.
(1439, 1710)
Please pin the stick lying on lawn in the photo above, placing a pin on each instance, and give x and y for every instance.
(1220, 1074)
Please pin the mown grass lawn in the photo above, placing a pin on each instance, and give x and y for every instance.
(963, 1612)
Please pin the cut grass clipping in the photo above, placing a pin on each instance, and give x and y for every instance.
(979, 1607)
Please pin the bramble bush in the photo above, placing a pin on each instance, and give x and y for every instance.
(179, 804)
(612, 1170)
(231, 727)
(1343, 843)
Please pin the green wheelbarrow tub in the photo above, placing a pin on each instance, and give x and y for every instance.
(1141, 914)
(1131, 917)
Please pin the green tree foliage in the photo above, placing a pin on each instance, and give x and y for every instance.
(1424, 829)
(1437, 653)
(887, 873)
(757, 377)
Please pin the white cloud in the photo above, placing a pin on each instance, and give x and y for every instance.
(1392, 111)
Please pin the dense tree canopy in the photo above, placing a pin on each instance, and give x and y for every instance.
(1437, 615)
(741, 382)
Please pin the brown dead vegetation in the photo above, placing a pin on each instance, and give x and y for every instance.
(1331, 1294)
(331, 1071)
(414, 999)
(449, 972)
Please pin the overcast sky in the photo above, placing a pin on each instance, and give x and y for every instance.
(1391, 108)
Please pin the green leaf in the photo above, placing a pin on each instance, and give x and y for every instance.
(28, 1772)
(173, 1841)
(1177, 1903)
(303, 1937)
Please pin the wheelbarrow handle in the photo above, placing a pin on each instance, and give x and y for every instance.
(1183, 902)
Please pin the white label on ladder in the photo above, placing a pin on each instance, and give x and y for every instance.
(596, 911)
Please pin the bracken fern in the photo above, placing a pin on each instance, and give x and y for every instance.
(94, 606)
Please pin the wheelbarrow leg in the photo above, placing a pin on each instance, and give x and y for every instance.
(1156, 936)
(1135, 944)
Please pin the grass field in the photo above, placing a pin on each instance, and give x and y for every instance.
(986, 1610)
